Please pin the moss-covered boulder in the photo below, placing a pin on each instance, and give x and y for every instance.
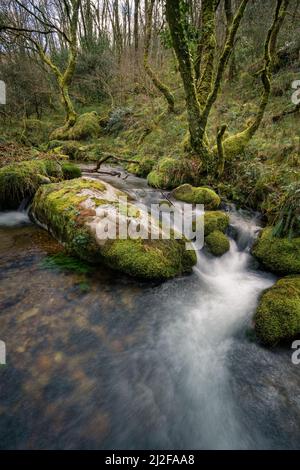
(217, 243)
(20, 181)
(278, 255)
(169, 172)
(70, 171)
(277, 317)
(86, 127)
(192, 195)
(215, 220)
(142, 167)
(73, 212)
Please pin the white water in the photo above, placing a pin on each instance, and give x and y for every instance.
(13, 218)
(200, 339)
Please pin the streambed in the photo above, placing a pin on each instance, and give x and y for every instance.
(100, 361)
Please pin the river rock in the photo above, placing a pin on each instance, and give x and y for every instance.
(278, 315)
(217, 243)
(278, 255)
(73, 211)
(20, 181)
(193, 195)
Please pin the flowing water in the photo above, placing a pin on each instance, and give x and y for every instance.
(97, 360)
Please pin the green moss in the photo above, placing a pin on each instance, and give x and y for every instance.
(189, 194)
(143, 167)
(21, 180)
(65, 262)
(215, 220)
(59, 208)
(279, 255)
(278, 315)
(35, 131)
(85, 127)
(170, 172)
(70, 171)
(217, 243)
(235, 144)
(54, 144)
(156, 259)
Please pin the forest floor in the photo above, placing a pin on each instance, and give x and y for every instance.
(140, 128)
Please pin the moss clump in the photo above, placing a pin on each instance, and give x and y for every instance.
(215, 220)
(70, 213)
(70, 171)
(170, 173)
(20, 181)
(278, 315)
(157, 259)
(217, 243)
(143, 166)
(278, 255)
(189, 194)
(85, 127)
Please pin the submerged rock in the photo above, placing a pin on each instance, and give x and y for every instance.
(278, 315)
(74, 211)
(192, 195)
(20, 181)
(278, 255)
(217, 243)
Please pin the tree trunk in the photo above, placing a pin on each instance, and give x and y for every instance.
(162, 88)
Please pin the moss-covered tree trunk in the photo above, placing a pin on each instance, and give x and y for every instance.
(162, 87)
(206, 49)
(64, 79)
(198, 108)
(176, 21)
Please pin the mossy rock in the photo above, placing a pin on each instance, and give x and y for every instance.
(70, 171)
(192, 195)
(20, 181)
(277, 318)
(143, 166)
(73, 212)
(217, 243)
(170, 173)
(85, 127)
(215, 220)
(278, 255)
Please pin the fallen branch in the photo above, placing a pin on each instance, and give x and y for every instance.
(278, 117)
(109, 156)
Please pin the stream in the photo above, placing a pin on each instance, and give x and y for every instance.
(101, 361)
